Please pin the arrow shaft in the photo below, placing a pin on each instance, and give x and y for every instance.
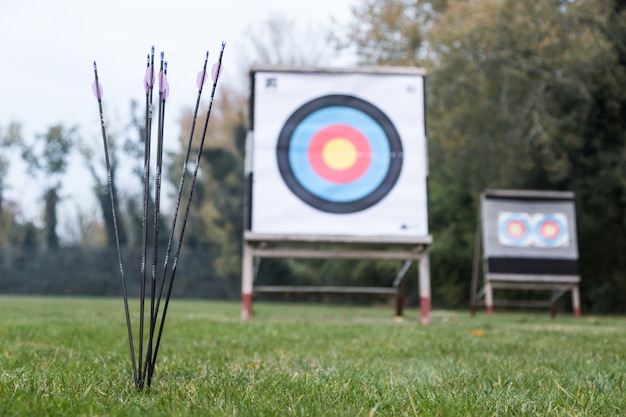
(182, 231)
(115, 226)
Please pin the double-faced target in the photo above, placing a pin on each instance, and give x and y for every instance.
(339, 154)
(551, 230)
(514, 229)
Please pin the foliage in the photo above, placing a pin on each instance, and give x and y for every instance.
(95, 161)
(69, 356)
(391, 32)
(8, 137)
(134, 147)
(48, 155)
(520, 95)
(11, 136)
(537, 105)
(215, 220)
(94, 271)
(279, 40)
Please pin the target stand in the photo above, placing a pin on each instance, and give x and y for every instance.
(336, 168)
(403, 250)
(528, 240)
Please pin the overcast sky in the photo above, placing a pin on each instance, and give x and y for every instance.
(47, 49)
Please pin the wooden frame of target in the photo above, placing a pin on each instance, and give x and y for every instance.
(336, 156)
(528, 241)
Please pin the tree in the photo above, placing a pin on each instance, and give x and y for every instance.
(527, 96)
(48, 156)
(391, 32)
(280, 40)
(215, 221)
(8, 138)
(520, 95)
(126, 148)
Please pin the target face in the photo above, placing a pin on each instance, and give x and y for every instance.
(339, 154)
(538, 230)
(551, 230)
(336, 152)
(514, 229)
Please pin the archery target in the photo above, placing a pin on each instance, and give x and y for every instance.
(529, 228)
(338, 152)
(514, 229)
(551, 230)
(539, 229)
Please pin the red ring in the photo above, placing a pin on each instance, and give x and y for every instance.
(511, 230)
(342, 176)
(555, 228)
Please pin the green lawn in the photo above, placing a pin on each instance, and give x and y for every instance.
(70, 357)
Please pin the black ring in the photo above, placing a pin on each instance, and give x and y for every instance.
(287, 173)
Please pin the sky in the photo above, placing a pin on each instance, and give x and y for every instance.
(47, 50)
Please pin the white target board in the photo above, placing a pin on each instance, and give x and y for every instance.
(338, 152)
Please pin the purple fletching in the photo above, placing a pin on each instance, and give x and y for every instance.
(200, 79)
(216, 71)
(148, 80)
(164, 87)
(96, 87)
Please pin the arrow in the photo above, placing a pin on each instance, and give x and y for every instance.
(97, 90)
(96, 87)
(148, 79)
(201, 78)
(164, 87)
(148, 84)
(217, 69)
(163, 92)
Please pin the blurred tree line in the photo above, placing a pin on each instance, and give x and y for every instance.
(524, 95)
(521, 95)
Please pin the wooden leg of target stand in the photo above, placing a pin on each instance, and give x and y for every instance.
(399, 305)
(424, 281)
(489, 299)
(247, 282)
(576, 302)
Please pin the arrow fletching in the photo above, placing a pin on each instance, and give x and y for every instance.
(148, 80)
(200, 79)
(96, 87)
(164, 87)
(216, 71)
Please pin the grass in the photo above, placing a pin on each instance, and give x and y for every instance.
(70, 357)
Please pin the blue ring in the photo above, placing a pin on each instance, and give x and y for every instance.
(550, 242)
(329, 190)
(292, 154)
(510, 239)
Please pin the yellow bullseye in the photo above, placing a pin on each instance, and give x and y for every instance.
(549, 230)
(515, 229)
(339, 154)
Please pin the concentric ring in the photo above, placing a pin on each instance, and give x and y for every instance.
(551, 231)
(514, 229)
(362, 176)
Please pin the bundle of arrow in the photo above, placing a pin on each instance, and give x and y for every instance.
(143, 367)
